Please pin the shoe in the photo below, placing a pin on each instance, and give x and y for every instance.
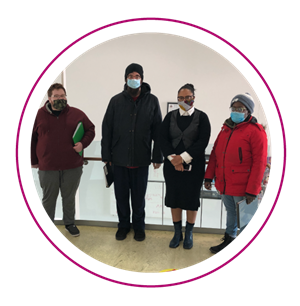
(227, 240)
(174, 243)
(73, 230)
(121, 233)
(188, 238)
(139, 235)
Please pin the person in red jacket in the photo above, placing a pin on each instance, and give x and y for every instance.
(56, 156)
(237, 162)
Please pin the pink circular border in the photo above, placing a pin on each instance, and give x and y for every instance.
(143, 19)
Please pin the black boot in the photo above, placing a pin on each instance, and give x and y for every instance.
(227, 240)
(174, 243)
(188, 238)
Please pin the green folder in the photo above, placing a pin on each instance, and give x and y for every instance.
(78, 135)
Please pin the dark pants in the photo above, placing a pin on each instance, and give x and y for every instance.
(67, 181)
(131, 182)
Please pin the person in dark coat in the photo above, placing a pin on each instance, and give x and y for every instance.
(185, 133)
(129, 129)
(237, 162)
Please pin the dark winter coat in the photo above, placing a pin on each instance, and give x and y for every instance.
(129, 127)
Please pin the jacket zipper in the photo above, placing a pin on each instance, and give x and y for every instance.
(59, 133)
(132, 141)
(132, 131)
(224, 157)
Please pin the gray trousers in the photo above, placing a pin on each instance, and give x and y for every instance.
(67, 181)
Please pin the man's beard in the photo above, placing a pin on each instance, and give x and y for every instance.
(133, 91)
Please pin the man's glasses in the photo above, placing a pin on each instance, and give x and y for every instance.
(59, 96)
(131, 77)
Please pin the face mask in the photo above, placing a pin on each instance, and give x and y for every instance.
(186, 105)
(133, 83)
(59, 104)
(237, 117)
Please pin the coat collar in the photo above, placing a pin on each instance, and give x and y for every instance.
(47, 108)
(188, 112)
(145, 89)
(232, 124)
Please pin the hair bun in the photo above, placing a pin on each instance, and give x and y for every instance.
(189, 87)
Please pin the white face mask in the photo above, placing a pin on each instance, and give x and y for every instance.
(186, 106)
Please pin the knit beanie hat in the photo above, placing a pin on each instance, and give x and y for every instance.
(134, 68)
(246, 99)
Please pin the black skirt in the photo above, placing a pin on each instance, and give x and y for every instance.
(183, 188)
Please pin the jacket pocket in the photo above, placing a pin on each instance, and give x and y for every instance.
(240, 174)
(240, 155)
(115, 141)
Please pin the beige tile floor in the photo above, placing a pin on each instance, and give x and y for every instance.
(151, 255)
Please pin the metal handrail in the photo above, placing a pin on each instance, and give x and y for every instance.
(100, 159)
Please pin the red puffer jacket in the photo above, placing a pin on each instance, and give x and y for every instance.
(239, 158)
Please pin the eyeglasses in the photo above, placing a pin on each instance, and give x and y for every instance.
(137, 77)
(59, 96)
(180, 98)
(238, 109)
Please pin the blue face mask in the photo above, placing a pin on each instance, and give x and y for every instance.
(133, 83)
(237, 117)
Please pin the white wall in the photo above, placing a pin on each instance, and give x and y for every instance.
(59, 79)
(169, 62)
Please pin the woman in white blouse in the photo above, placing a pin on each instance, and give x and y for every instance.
(185, 133)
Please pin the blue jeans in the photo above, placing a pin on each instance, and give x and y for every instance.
(230, 205)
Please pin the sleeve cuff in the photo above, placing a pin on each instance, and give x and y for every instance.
(208, 180)
(251, 195)
(186, 157)
(170, 157)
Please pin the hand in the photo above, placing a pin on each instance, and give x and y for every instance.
(35, 166)
(177, 160)
(156, 166)
(207, 185)
(179, 167)
(107, 162)
(249, 199)
(78, 147)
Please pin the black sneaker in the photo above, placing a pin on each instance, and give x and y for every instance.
(139, 235)
(121, 233)
(73, 230)
(217, 249)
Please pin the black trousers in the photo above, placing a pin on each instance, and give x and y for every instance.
(131, 183)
